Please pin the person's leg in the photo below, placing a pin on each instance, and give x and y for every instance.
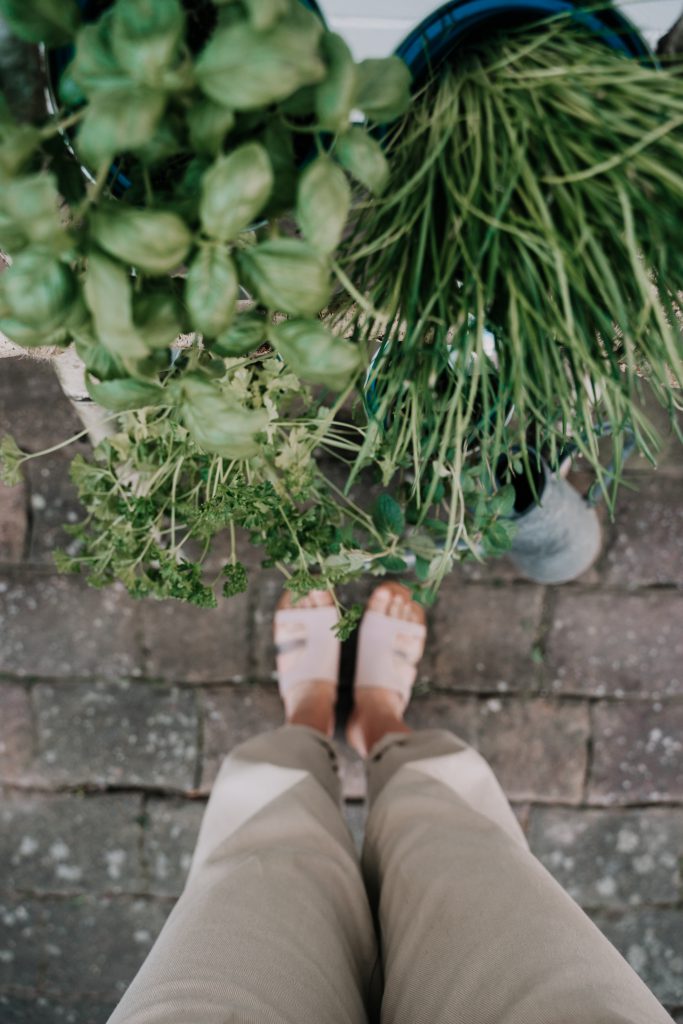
(273, 926)
(473, 928)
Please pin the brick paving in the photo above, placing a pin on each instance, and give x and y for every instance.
(114, 717)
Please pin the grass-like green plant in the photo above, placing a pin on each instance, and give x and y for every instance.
(536, 190)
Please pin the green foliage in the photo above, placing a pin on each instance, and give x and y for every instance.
(11, 458)
(235, 579)
(235, 190)
(315, 354)
(323, 204)
(211, 291)
(287, 275)
(362, 156)
(41, 21)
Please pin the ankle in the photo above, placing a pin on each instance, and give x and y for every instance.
(371, 720)
(313, 706)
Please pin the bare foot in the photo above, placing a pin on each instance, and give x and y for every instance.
(378, 710)
(307, 701)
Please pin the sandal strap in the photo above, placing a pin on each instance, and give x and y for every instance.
(378, 636)
(317, 649)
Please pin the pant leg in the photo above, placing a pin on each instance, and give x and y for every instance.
(273, 926)
(474, 929)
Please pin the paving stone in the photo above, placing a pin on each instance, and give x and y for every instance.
(91, 945)
(483, 637)
(54, 504)
(669, 458)
(267, 587)
(537, 748)
(196, 645)
(649, 544)
(611, 858)
(438, 710)
(652, 942)
(617, 644)
(170, 835)
(15, 1009)
(58, 626)
(13, 522)
(115, 734)
(231, 715)
(33, 408)
(637, 753)
(17, 741)
(70, 843)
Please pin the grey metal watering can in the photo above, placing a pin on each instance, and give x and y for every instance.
(559, 537)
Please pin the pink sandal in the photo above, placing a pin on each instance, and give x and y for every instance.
(307, 648)
(389, 649)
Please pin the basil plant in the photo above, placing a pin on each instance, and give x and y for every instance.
(195, 183)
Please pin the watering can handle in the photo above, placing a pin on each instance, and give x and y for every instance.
(596, 492)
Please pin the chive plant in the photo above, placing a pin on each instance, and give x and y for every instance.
(536, 192)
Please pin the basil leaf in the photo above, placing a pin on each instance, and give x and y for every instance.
(119, 121)
(126, 394)
(234, 191)
(323, 203)
(29, 212)
(383, 88)
(157, 317)
(362, 156)
(287, 275)
(264, 13)
(315, 354)
(108, 296)
(245, 335)
(38, 290)
(245, 69)
(211, 290)
(53, 22)
(154, 240)
(17, 144)
(209, 123)
(216, 421)
(94, 67)
(146, 36)
(335, 94)
(97, 359)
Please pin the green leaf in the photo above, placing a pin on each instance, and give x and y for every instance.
(209, 123)
(53, 22)
(315, 354)
(108, 295)
(234, 191)
(94, 67)
(17, 144)
(11, 458)
(323, 204)
(334, 96)
(119, 121)
(211, 290)
(245, 335)
(264, 13)
(497, 538)
(383, 88)
(387, 515)
(422, 568)
(126, 394)
(362, 157)
(157, 316)
(29, 213)
(393, 563)
(245, 69)
(97, 359)
(146, 36)
(348, 622)
(38, 290)
(217, 422)
(154, 240)
(287, 275)
(279, 144)
(236, 579)
(503, 501)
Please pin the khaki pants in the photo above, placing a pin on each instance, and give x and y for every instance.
(278, 922)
